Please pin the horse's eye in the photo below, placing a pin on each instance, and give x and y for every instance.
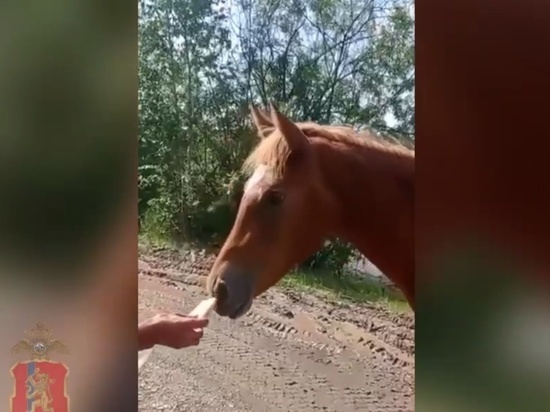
(275, 197)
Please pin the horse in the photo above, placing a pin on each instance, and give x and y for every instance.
(308, 183)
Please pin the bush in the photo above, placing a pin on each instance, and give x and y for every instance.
(212, 224)
(333, 257)
(157, 220)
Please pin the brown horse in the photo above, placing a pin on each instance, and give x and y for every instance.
(307, 183)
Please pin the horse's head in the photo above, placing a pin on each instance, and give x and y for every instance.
(283, 217)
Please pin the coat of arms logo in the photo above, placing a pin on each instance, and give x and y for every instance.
(40, 384)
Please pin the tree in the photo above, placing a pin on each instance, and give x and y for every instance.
(201, 62)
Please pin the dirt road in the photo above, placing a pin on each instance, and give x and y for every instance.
(290, 353)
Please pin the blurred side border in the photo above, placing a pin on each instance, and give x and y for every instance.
(482, 206)
(68, 184)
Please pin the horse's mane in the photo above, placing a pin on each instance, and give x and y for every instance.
(273, 149)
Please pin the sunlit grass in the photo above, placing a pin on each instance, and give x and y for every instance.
(345, 287)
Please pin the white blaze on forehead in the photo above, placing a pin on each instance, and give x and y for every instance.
(261, 172)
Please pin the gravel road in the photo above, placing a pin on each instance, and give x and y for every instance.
(292, 352)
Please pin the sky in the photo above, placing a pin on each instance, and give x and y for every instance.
(389, 118)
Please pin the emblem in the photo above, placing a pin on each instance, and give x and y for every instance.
(40, 384)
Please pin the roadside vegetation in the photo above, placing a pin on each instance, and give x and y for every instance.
(346, 287)
(202, 62)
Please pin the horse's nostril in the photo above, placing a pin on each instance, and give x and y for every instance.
(220, 291)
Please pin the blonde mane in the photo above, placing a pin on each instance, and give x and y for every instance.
(273, 150)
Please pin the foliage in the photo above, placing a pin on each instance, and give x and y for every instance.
(201, 62)
(334, 256)
(345, 287)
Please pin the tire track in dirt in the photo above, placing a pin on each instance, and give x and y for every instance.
(362, 327)
(281, 356)
(263, 371)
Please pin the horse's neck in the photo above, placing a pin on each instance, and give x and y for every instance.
(373, 190)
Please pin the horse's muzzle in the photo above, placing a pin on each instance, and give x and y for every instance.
(234, 291)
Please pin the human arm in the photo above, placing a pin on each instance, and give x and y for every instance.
(172, 330)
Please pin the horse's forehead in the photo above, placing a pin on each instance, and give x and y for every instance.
(261, 174)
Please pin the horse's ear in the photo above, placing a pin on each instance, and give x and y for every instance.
(262, 121)
(295, 138)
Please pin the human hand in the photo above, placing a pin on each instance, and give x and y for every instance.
(172, 330)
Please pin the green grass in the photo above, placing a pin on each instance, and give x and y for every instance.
(344, 288)
(147, 240)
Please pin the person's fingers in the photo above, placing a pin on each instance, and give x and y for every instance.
(193, 341)
(192, 321)
(179, 331)
(196, 323)
(185, 340)
(181, 316)
(198, 332)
